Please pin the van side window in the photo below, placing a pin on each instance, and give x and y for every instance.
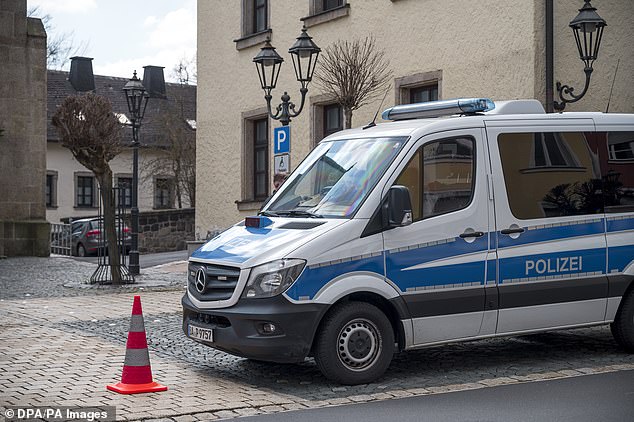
(615, 152)
(440, 177)
(551, 174)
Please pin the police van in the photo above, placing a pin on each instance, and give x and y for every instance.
(457, 220)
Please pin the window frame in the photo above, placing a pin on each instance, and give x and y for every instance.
(403, 85)
(51, 201)
(420, 149)
(170, 192)
(256, 8)
(83, 176)
(324, 111)
(119, 178)
(247, 200)
(318, 14)
(249, 35)
(261, 145)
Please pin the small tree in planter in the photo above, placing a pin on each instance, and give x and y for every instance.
(90, 130)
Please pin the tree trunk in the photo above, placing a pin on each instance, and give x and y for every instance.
(109, 224)
(347, 118)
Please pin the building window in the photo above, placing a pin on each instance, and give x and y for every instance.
(418, 88)
(333, 119)
(51, 189)
(260, 16)
(163, 189)
(260, 159)
(552, 150)
(255, 17)
(330, 4)
(423, 94)
(440, 177)
(124, 196)
(621, 146)
(321, 11)
(85, 191)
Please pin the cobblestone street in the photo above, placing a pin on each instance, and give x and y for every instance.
(61, 346)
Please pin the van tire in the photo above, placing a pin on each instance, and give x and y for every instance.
(623, 325)
(373, 349)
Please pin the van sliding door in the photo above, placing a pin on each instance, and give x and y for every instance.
(550, 228)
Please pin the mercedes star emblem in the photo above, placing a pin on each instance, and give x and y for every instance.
(201, 280)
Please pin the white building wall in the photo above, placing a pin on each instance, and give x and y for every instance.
(486, 48)
(60, 160)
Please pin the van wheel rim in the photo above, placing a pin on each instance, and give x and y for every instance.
(359, 344)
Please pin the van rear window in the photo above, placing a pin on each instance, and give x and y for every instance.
(553, 174)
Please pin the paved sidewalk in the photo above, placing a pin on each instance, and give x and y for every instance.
(58, 275)
(62, 348)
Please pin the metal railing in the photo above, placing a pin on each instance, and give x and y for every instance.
(61, 240)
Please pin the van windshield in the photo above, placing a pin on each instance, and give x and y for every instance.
(334, 180)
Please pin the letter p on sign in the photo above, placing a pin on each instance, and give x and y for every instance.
(282, 144)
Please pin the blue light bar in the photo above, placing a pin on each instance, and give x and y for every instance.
(438, 108)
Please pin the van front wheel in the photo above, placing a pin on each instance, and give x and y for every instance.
(623, 325)
(355, 344)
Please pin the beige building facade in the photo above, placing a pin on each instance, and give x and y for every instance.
(436, 49)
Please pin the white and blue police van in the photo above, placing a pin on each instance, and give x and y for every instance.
(457, 220)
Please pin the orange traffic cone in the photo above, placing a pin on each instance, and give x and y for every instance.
(137, 372)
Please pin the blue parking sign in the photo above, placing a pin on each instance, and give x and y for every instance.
(282, 140)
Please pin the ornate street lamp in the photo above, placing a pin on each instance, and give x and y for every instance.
(268, 64)
(137, 98)
(588, 31)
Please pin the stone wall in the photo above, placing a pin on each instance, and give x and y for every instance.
(23, 226)
(164, 231)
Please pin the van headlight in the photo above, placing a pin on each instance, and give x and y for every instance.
(272, 278)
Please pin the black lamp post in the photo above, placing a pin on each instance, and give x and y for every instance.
(588, 31)
(137, 98)
(268, 64)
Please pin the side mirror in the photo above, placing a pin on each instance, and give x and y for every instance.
(399, 207)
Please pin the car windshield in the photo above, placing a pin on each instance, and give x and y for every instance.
(334, 180)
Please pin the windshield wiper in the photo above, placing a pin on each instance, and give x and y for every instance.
(299, 213)
(268, 214)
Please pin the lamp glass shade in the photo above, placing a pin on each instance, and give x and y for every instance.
(268, 64)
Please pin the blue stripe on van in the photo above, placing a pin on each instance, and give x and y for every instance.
(443, 276)
(621, 225)
(620, 257)
(559, 264)
(313, 279)
(491, 271)
(411, 257)
(552, 233)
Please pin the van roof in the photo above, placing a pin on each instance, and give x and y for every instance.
(504, 111)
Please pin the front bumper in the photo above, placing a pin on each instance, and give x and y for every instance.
(238, 329)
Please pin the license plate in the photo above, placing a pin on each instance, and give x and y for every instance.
(199, 333)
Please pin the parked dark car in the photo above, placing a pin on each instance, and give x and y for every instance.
(88, 235)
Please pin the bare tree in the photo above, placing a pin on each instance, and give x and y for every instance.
(60, 47)
(354, 73)
(89, 129)
(185, 71)
(178, 154)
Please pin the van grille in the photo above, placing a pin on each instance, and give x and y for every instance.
(220, 281)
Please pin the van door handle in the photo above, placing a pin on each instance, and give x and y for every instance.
(471, 234)
(512, 230)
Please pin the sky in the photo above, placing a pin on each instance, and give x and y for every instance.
(124, 35)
